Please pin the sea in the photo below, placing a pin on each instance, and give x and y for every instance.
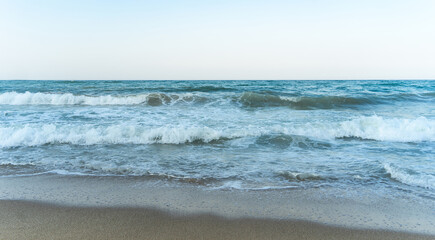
(243, 135)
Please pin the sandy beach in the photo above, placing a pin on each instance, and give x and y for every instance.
(217, 120)
(53, 207)
(32, 220)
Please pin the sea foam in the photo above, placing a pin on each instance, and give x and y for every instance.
(29, 135)
(374, 127)
(395, 129)
(421, 180)
(152, 99)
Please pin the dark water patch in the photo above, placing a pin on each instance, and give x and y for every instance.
(16, 166)
(355, 138)
(191, 141)
(330, 102)
(252, 99)
(286, 141)
(157, 99)
(428, 94)
(7, 169)
(396, 97)
(221, 140)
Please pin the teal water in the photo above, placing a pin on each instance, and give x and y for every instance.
(225, 134)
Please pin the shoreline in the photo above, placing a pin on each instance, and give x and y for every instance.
(332, 208)
(36, 220)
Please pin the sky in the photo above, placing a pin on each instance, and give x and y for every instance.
(227, 39)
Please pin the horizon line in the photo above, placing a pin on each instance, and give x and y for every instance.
(350, 79)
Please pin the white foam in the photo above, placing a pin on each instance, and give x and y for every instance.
(421, 180)
(34, 135)
(237, 185)
(372, 127)
(65, 172)
(28, 98)
(400, 130)
(57, 171)
(12, 163)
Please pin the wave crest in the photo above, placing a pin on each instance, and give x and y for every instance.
(367, 128)
(115, 134)
(420, 180)
(396, 130)
(251, 99)
(308, 135)
(151, 99)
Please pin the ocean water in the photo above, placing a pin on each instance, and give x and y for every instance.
(256, 135)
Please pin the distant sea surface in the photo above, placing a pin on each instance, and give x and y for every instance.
(255, 135)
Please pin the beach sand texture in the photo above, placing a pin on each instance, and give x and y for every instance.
(30, 220)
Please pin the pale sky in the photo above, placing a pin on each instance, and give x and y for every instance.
(270, 39)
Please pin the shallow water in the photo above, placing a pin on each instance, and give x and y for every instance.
(377, 135)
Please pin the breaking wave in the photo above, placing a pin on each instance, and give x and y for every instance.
(251, 99)
(416, 179)
(303, 136)
(151, 99)
(285, 141)
(246, 99)
(369, 128)
(366, 128)
(395, 130)
(116, 134)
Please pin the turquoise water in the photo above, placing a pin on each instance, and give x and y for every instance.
(225, 134)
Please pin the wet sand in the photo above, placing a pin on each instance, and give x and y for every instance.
(35, 220)
(333, 207)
